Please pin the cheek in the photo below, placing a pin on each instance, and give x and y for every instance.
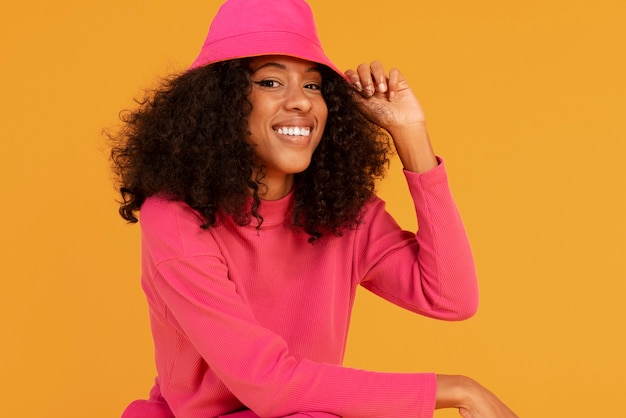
(253, 129)
(322, 113)
(256, 110)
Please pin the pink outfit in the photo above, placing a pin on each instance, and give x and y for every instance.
(245, 319)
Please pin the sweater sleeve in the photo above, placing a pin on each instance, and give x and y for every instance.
(430, 272)
(253, 362)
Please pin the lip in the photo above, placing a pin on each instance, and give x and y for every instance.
(300, 141)
(295, 123)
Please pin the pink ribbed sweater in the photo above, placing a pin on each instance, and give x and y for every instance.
(247, 319)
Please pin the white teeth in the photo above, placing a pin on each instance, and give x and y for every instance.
(294, 131)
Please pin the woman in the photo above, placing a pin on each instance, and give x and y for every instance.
(254, 172)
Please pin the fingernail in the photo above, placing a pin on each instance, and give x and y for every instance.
(358, 86)
(382, 87)
(391, 94)
(369, 90)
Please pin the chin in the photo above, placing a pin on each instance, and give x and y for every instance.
(298, 167)
(302, 168)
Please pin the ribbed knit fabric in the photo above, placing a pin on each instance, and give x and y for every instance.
(247, 319)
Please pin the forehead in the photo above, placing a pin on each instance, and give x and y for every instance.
(283, 62)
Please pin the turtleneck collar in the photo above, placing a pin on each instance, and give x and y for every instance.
(274, 212)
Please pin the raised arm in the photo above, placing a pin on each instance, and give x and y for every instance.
(431, 272)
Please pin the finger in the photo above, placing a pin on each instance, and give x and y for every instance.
(465, 413)
(353, 76)
(365, 77)
(393, 83)
(378, 75)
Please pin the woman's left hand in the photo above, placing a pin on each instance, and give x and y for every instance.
(388, 101)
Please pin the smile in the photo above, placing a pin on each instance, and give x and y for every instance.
(294, 130)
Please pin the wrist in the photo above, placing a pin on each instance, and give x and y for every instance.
(414, 147)
(410, 131)
(453, 391)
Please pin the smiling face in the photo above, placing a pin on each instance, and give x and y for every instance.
(287, 119)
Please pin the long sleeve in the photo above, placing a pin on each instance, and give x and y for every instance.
(431, 272)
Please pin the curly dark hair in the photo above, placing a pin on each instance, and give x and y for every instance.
(187, 141)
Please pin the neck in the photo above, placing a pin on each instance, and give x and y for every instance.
(275, 188)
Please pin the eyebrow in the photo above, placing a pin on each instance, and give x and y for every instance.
(315, 69)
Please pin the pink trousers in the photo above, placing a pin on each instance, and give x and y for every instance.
(152, 409)
(156, 407)
(250, 414)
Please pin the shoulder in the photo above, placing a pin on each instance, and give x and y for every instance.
(172, 227)
(374, 220)
(372, 208)
(158, 211)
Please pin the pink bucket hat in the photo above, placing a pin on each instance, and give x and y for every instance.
(246, 28)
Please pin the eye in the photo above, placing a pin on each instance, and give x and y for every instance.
(267, 83)
(313, 86)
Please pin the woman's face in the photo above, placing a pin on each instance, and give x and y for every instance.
(287, 119)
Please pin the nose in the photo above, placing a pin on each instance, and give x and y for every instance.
(297, 99)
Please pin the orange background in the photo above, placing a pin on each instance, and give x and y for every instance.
(526, 101)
